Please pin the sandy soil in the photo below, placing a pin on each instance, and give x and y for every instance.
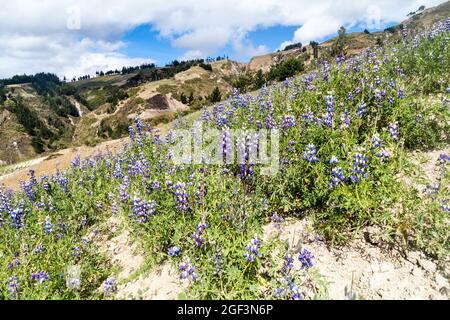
(428, 169)
(190, 74)
(161, 283)
(369, 271)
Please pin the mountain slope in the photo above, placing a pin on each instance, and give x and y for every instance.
(92, 110)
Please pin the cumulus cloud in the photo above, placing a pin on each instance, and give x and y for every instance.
(65, 56)
(204, 39)
(76, 36)
(191, 55)
(316, 28)
(245, 48)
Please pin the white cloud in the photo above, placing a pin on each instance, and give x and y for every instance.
(75, 36)
(316, 28)
(205, 39)
(245, 48)
(60, 54)
(191, 55)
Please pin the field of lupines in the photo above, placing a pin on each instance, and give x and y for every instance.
(345, 132)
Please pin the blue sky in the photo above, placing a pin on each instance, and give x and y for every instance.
(145, 41)
(78, 37)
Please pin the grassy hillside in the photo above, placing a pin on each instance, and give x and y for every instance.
(108, 103)
(346, 129)
(35, 117)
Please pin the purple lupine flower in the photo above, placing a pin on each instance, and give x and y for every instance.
(296, 294)
(383, 154)
(337, 177)
(350, 96)
(328, 119)
(359, 167)
(131, 133)
(76, 251)
(305, 257)
(62, 227)
(345, 119)
(46, 186)
(110, 286)
(325, 70)
(198, 234)
(174, 251)
(393, 131)
(443, 158)
(13, 287)
(269, 122)
(181, 196)
(329, 102)
(5, 205)
(252, 249)
(222, 121)
(187, 271)
(123, 189)
(114, 208)
(28, 189)
(76, 162)
(63, 181)
(289, 121)
(139, 126)
(14, 263)
(334, 160)
(142, 210)
(378, 95)
(40, 277)
(288, 264)
(361, 110)
(156, 185)
(277, 218)
(310, 153)
(376, 141)
(17, 217)
(391, 101)
(39, 249)
(118, 174)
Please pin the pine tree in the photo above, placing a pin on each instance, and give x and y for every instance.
(215, 96)
(183, 98)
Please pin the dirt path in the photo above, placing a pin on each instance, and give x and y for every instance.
(62, 159)
(57, 161)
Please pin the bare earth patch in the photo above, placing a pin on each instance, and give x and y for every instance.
(162, 283)
(367, 270)
(122, 250)
(428, 168)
